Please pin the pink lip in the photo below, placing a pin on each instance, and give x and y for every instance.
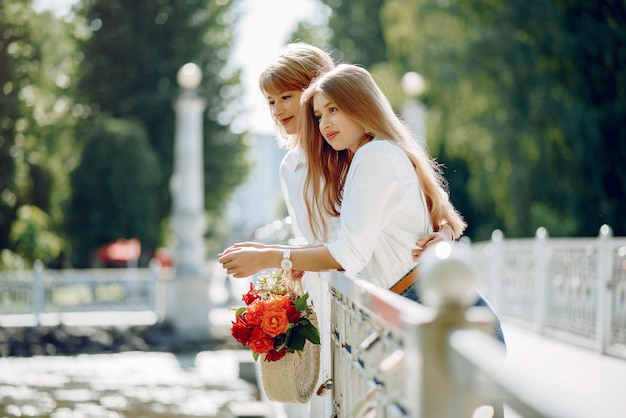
(331, 135)
(286, 120)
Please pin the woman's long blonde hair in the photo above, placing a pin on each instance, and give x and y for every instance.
(355, 93)
(293, 69)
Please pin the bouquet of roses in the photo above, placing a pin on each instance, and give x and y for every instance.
(275, 320)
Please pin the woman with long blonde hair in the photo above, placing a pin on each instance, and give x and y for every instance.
(282, 83)
(364, 168)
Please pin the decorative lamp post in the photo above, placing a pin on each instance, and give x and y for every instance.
(187, 297)
(187, 183)
(413, 111)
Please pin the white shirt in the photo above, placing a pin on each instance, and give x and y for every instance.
(292, 174)
(383, 213)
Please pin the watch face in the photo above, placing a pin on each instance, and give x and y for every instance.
(286, 264)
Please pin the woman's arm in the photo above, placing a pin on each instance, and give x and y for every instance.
(245, 259)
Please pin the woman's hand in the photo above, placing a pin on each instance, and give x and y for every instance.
(247, 258)
(296, 274)
(444, 234)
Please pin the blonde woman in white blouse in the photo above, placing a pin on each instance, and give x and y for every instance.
(364, 168)
(372, 240)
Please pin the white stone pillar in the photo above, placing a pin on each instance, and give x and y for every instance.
(187, 297)
(187, 186)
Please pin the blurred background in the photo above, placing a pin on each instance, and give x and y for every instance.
(524, 105)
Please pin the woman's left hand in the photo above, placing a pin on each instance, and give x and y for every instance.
(426, 241)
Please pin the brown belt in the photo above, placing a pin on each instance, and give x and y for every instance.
(404, 283)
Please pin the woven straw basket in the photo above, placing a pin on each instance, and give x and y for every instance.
(293, 378)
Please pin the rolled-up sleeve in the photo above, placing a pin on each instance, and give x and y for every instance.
(374, 189)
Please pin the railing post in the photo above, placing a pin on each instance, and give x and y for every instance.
(38, 291)
(495, 269)
(448, 281)
(604, 289)
(155, 273)
(540, 308)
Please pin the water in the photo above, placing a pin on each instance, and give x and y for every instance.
(130, 384)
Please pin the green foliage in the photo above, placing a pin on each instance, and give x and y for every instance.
(38, 69)
(33, 238)
(301, 303)
(114, 189)
(356, 32)
(131, 61)
(11, 261)
(301, 332)
(531, 96)
(15, 52)
(130, 53)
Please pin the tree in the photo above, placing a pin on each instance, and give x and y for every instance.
(356, 31)
(12, 39)
(130, 66)
(113, 189)
(519, 94)
(38, 69)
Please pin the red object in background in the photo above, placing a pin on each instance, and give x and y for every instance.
(163, 255)
(121, 251)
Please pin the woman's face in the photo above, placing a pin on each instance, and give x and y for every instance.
(285, 106)
(340, 131)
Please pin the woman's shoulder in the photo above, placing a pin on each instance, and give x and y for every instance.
(379, 148)
(293, 159)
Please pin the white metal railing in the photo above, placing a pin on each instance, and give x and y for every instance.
(41, 293)
(572, 289)
(392, 357)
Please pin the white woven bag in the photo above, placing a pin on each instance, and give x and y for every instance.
(293, 378)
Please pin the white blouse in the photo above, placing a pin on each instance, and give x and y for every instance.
(292, 174)
(383, 213)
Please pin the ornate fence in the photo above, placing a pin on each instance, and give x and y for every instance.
(394, 358)
(39, 296)
(573, 289)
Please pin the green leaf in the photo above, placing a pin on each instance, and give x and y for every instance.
(255, 356)
(301, 303)
(297, 338)
(240, 311)
(311, 333)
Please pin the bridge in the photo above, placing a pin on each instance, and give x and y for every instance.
(563, 309)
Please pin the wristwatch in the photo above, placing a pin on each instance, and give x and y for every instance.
(286, 263)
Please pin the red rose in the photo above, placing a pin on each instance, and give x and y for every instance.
(260, 342)
(240, 330)
(292, 313)
(290, 308)
(274, 355)
(250, 297)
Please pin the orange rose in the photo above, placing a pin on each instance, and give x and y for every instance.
(254, 312)
(274, 322)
